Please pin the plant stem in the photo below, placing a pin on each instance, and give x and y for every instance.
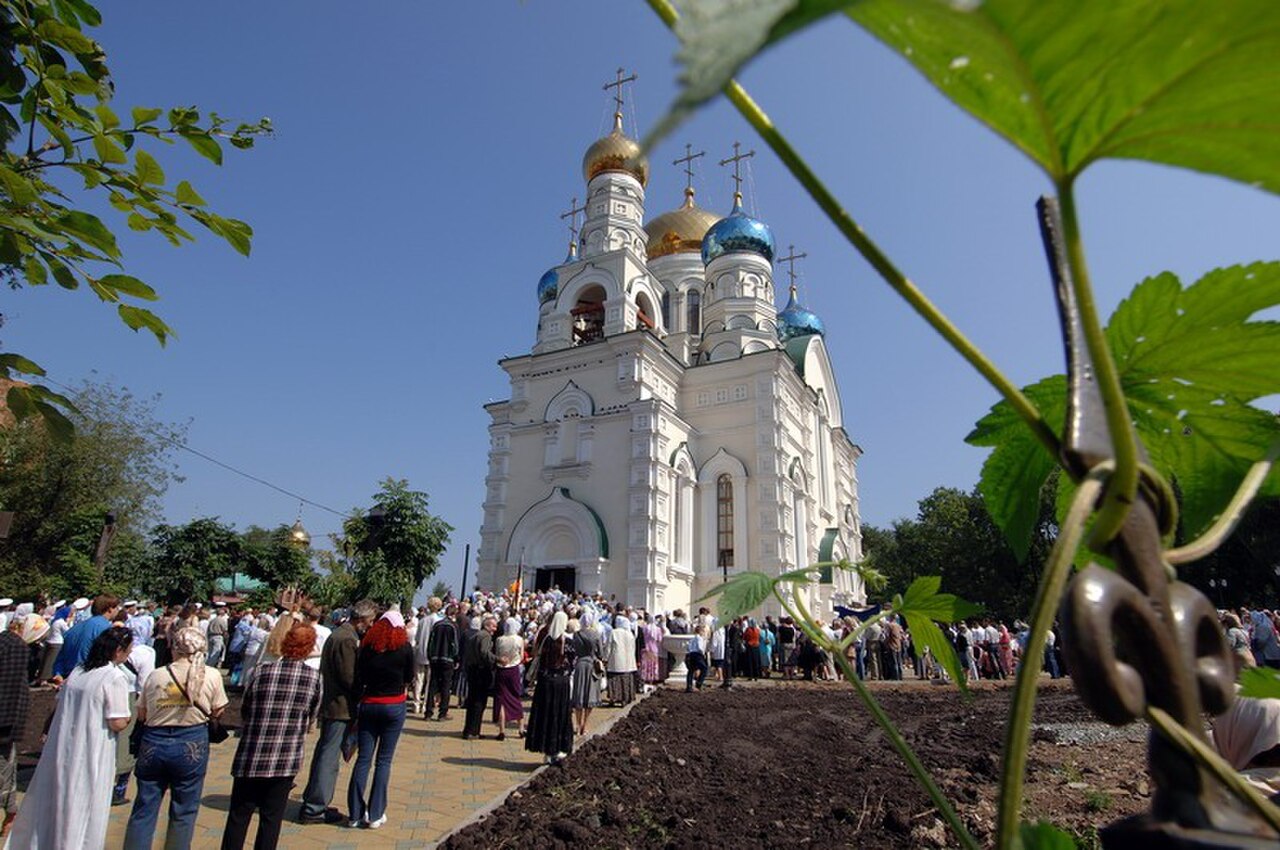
(857, 631)
(1226, 524)
(908, 755)
(1018, 730)
(1123, 485)
(871, 252)
(1175, 733)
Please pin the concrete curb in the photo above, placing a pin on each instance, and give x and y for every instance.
(494, 804)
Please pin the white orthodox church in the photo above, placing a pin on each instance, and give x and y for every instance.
(670, 425)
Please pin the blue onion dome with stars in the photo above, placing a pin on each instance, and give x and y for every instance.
(795, 321)
(737, 232)
(549, 283)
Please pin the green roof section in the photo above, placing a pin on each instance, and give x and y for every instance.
(238, 583)
(825, 548)
(797, 349)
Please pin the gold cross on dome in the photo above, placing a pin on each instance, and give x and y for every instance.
(790, 260)
(572, 215)
(687, 161)
(737, 159)
(617, 86)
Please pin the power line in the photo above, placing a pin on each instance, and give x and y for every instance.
(186, 448)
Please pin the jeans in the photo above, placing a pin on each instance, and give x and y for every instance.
(269, 797)
(324, 768)
(696, 663)
(380, 727)
(173, 759)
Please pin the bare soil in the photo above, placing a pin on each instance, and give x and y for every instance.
(801, 764)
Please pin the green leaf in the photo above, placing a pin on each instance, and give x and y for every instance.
(1191, 361)
(138, 318)
(70, 38)
(804, 575)
(61, 272)
(206, 146)
(108, 150)
(129, 286)
(1260, 683)
(925, 632)
(31, 400)
(741, 594)
(922, 597)
(1045, 836)
(237, 233)
(187, 195)
(90, 229)
(1180, 82)
(19, 188)
(105, 114)
(147, 169)
(144, 115)
(18, 363)
(35, 271)
(138, 221)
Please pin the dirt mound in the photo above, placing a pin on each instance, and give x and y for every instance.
(804, 765)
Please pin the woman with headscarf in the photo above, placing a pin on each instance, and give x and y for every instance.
(588, 670)
(1005, 645)
(178, 701)
(622, 662)
(15, 701)
(651, 654)
(550, 726)
(751, 650)
(35, 630)
(384, 669)
(68, 802)
(1266, 647)
(1248, 736)
(508, 651)
(1238, 640)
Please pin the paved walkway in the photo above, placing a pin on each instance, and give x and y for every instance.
(438, 781)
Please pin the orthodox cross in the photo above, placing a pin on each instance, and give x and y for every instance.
(687, 160)
(572, 215)
(737, 159)
(790, 260)
(617, 86)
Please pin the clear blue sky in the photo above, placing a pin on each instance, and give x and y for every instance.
(410, 201)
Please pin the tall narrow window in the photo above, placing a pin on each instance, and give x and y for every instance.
(724, 521)
(666, 310)
(693, 302)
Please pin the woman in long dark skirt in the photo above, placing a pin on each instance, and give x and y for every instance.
(588, 670)
(550, 724)
(507, 708)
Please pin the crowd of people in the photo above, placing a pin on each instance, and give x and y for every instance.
(142, 691)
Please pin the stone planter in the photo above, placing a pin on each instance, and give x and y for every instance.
(677, 645)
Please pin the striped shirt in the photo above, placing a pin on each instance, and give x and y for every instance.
(279, 706)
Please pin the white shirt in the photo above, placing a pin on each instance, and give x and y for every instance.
(143, 659)
(322, 635)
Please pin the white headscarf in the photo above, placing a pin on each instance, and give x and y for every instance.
(558, 622)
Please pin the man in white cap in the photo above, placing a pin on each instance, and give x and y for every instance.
(6, 612)
(139, 622)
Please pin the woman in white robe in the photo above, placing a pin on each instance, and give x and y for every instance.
(68, 803)
(622, 662)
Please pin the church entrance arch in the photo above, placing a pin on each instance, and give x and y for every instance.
(559, 541)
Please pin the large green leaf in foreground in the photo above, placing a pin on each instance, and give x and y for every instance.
(1190, 362)
(1184, 82)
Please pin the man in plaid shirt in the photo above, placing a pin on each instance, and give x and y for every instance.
(279, 707)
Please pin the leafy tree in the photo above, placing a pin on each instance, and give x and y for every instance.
(335, 582)
(62, 145)
(187, 559)
(272, 558)
(1245, 570)
(399, 552)
(60, 492)
(953, 536)
(441, 589)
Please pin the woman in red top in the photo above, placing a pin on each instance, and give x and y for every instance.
(751, 637)
(384, 667)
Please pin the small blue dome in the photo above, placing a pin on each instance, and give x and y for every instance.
(548, 286)
(737, 232)
(795, 321)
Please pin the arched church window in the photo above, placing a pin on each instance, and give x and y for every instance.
(724, 521)
(693, 308)
(644, 312)
(666, 310)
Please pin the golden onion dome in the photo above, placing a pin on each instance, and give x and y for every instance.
(616, 152)
(681, 230)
